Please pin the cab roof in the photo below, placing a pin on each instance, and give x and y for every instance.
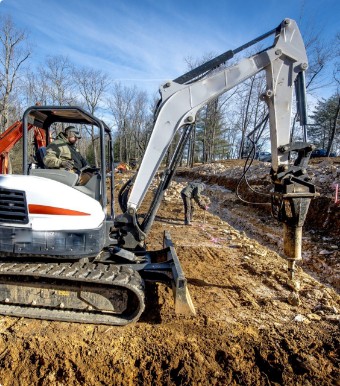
(45, 116)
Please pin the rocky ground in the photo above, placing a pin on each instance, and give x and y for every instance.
(245, 331)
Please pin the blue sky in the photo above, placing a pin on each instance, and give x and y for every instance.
(144, 42)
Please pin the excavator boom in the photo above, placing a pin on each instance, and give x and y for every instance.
(284, 64)
(180, 102)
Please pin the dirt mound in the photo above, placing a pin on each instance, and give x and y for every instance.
(324, 212)
(245, 331)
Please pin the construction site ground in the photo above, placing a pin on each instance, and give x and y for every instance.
(245, 331)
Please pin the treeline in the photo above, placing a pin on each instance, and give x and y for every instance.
(222, 127)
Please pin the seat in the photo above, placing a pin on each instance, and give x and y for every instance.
(59, 175)
(39, 156)
(91, 188)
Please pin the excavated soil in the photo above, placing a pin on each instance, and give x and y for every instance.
(245, 331)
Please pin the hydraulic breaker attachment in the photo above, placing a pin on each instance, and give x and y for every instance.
(292, 195)
(290, 203)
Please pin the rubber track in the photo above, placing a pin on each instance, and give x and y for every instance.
(78, 273)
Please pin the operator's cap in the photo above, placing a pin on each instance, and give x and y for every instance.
(72, 131)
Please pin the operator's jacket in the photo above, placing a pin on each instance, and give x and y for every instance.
(61, 150)
(193, 191)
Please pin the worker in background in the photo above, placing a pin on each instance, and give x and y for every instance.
(192, 192)
(133, 163)
(122, 168)
(63, 154)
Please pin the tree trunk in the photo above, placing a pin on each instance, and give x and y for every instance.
(333, 129)
(245, 120)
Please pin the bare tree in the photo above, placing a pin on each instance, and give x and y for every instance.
(35, 88)
(319, 52)
(57, 73)
(139, 125)
(245, 112)
(321, 55)
(120, 104)
(209, 125)
(91, 85)
(130, 111)
(246, 116)
(14, 52)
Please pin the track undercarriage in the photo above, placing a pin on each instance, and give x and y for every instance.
(107, 290)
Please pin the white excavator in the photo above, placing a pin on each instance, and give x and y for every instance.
(64, 252)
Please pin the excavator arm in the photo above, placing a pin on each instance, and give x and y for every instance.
(11, 136)
(180, 102)
(284, 64)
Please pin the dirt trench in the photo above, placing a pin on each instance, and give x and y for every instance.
(245, 331)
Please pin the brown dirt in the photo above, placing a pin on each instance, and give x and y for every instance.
(245, 331)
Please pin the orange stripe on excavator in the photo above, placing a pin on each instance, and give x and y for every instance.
(44, 209)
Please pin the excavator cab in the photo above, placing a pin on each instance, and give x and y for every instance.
(44, 118)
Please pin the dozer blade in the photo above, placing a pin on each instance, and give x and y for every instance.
(182, 298)
(183, 302)
(164, 267)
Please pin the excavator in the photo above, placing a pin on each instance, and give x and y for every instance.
(66, 255)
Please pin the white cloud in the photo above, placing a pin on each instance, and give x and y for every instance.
(143, 41)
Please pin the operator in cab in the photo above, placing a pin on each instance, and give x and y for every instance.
(63, 154)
